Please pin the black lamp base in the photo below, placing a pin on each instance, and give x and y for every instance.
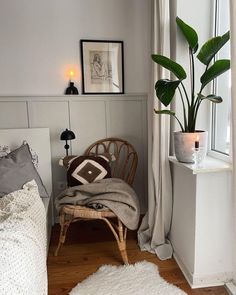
(71, 89)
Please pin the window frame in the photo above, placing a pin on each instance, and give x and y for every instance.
(212, 150)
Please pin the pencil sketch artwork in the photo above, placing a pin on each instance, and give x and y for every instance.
(100, 66)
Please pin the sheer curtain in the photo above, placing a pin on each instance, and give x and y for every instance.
(152, 234)
(233, 103)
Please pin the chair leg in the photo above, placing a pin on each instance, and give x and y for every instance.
(119, 231)
(64, 227)
(123, 252)
(122, 230)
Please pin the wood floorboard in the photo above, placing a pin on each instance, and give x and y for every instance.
(90, 245)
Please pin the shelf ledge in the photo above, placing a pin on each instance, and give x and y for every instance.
(209, 165)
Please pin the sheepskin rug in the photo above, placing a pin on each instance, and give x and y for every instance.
(141, 278)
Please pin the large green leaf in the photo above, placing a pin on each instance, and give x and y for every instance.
(170, 65)
(218, 68)
(189, 33)
(212, 97)
(164, 112)
(171, 113)
(211, 47)
(165, 90)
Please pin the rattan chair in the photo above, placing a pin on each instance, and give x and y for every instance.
(123, 167)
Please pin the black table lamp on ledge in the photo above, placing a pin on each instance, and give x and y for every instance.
(67, 135)
(71, 89)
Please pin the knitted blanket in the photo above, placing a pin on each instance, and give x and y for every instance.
(113, 193)
(23, 268)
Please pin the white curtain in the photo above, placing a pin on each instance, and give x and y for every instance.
(155, 226)
(233, 75)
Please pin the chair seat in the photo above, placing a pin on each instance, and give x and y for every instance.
(88, 213)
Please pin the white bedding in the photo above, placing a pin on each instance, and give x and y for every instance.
(23, 243)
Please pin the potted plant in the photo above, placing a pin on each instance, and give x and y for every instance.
(192, 100)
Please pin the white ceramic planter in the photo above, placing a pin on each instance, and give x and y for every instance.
(184, 144)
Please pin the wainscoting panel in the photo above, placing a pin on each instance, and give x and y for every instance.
(126, 122)
(88, 121)
(13, 114)
(91, 118)
(55, 115)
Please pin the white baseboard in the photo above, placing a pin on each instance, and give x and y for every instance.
(186, 273)
(205, 280)
(184, 269)
(231, 288)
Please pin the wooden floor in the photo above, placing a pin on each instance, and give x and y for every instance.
(89, 245)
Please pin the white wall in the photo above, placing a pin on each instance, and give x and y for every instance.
(40, 41)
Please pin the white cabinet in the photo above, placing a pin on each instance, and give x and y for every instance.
(202, 225)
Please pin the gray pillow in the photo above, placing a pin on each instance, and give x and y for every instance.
(16, 169)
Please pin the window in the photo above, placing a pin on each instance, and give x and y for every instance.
(220, 141)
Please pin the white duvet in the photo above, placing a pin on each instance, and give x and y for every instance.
(23, 243)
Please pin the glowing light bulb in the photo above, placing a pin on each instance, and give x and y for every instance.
(71, 74)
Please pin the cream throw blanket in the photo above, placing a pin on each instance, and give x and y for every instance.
(113, 193)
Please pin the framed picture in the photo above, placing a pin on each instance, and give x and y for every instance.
(102, 67)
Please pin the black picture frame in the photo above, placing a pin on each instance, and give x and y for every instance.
(102, 66)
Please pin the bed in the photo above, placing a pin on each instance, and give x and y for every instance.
(25, 214)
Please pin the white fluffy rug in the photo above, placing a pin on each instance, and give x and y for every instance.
(141, 278)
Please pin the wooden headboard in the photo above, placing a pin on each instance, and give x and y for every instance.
(39, 140)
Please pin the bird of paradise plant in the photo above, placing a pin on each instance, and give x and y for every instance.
(191, 102)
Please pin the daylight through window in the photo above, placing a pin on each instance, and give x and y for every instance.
(221, 113)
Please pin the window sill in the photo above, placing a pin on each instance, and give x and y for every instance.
(219, 156)
(209, 165)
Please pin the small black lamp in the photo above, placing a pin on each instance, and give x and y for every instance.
(71, 89)
(67, 135)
